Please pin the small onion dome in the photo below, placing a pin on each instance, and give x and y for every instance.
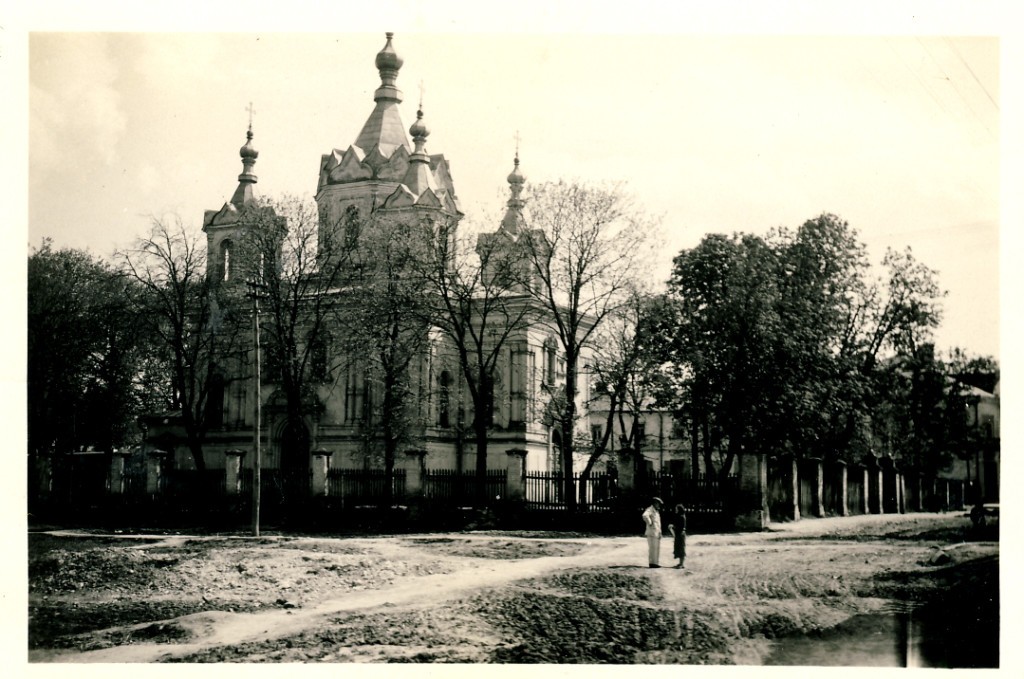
(516, 177)
(387, 59)
(419, 128)
(247, 151)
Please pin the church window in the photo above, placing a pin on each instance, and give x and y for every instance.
(351, 226)
(215, 402)
(444, 401)
(225, 260)
(318, 358)
(550, 362)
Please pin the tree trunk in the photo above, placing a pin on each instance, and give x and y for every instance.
(480, 427)
(694, 446)
(709, 462)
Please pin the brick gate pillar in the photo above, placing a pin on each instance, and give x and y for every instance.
(319, 466)
(415, 473)
(155, 461)
(117, 463)
(753, 514)
(515, 480)
(627, 473)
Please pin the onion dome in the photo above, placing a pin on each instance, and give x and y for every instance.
(513, 222)
(247, 151)
(516, 177)
(388, 63)
(244, 195)
(419, 130)
(387, 58)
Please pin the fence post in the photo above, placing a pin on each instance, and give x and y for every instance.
(627, 473)
(320, 464)
(754, 491)
(415, 473)
(792, 487)
(865, 489)
(515, 479)
(873, 487)
(233, 471)
(116, 482)
(154, 470)
(817, 488)
(840, 477)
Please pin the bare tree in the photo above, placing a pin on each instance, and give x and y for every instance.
(176, 306)
(482, 307)
(587, 245)
(291, 251)
(386, 314)
(623, 372)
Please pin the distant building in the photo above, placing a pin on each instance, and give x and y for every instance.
(981, 465)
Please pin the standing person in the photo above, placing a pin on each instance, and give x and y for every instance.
(652, 519)
(678, 531)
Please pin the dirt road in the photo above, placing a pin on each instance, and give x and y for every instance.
(489, 597)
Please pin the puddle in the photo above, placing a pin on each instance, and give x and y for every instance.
(924, 637)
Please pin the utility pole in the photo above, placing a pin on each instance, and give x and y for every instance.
(256, 291)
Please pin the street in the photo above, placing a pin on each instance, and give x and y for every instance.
(498, 597)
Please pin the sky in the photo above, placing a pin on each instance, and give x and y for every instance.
(898, 133)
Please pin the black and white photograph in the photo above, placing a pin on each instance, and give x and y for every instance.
(538, 335)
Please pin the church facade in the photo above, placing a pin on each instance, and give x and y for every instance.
(382, 173)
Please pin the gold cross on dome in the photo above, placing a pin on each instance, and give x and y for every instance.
(251, 111)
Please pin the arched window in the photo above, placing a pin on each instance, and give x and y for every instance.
(225, 260)
(351, 226)
(215, 402)
(550, 361)
(444, 400)
(319, 365)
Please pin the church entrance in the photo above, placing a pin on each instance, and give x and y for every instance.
(294, 456)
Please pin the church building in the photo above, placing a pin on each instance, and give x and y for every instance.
(382, 173)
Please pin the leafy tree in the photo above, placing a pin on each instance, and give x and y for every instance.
(586, 247)
(84, 353)
(725, 334)
(775, 342)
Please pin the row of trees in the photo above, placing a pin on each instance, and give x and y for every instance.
(782, 343)
(788, 344)
(334, 296)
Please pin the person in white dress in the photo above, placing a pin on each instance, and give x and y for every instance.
(652, 520)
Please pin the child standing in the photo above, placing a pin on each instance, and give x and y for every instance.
(678, 530)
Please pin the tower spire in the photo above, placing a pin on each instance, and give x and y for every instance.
(244, 194)
(513, 221)
(384, 129)
(388, 64)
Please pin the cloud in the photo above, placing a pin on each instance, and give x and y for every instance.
(75, 107)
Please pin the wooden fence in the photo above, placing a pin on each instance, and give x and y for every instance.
(546, 490)
(699, 494)
(456, 487)
(365, 486)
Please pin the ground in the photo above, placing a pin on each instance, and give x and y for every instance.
(743, 598)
